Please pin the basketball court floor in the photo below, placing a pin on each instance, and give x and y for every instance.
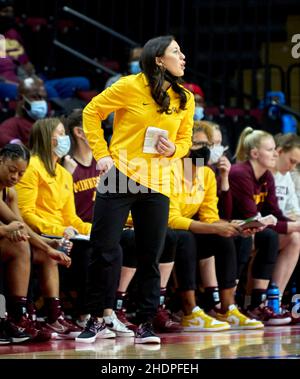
(271, 342)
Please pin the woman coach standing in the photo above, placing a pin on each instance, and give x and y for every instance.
(152, 125)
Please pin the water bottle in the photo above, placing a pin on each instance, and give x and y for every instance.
(273, 298)
(63, 245)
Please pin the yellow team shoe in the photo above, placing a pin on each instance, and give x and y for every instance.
(237, 320)
(198, 321)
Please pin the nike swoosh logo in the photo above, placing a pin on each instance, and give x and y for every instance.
(233, 320)
(196, 322)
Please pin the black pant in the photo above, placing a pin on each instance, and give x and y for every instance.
(243, 248)
(193, 247)
(267, 246)
(150, 218)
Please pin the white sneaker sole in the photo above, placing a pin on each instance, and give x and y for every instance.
(19, 340)
(129, 333)
(147, 340)
(247, 327)
(67, 336)
(107, 334)
(6, 342)
(278, 322)
(199, 329)
(86, 340)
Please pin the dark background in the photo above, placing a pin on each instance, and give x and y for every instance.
(236, 50)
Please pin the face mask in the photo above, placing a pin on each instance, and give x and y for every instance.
(63, 146)
(200, 157)
(36, 109)
(199, 113)
(134, 67)
(215, 153)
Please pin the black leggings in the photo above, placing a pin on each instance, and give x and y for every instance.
(130, 254)
(193, 247)
(267, 245)
(150, 217)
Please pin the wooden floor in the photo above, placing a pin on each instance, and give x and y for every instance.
(272, 342)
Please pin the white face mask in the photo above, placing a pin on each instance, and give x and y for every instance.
(199, 113)
(63, 146)
(215, 153)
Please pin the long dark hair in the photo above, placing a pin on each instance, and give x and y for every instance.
(156, 76)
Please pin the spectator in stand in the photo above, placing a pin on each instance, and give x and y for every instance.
(199, 100)
(31, 106)
(14, 160)
(132, 68)
(201, 235)
(253, 190)
(16, 64)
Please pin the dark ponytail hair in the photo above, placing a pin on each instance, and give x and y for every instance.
(156, 75)
(14, 151)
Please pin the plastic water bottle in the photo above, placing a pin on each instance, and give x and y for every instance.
(273, 298)
(63, 245)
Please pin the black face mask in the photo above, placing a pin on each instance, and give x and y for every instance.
(203, 155)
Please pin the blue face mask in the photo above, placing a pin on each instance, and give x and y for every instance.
(134, 67)
(199, 113)
(37, 109)
(63, 146)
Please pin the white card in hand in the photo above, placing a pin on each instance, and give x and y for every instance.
(151, 138)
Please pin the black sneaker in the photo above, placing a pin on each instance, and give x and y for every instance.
(15, 333)
(94, 329)
(4, 338)
(145, 334)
